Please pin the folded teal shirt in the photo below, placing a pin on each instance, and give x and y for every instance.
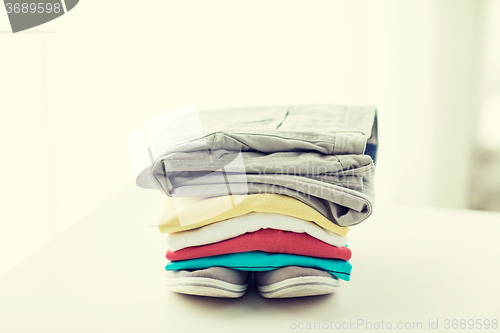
(262, 261)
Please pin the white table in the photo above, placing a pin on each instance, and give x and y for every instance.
(105, 274)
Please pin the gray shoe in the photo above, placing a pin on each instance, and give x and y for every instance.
(212, 282)
(294, 281)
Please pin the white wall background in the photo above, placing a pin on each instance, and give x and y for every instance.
(489, 120)
(69, 96)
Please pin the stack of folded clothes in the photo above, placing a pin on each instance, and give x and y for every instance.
(268, 190)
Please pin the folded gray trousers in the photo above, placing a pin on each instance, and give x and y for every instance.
(311, 153)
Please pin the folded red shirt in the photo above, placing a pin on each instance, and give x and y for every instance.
(266, 240)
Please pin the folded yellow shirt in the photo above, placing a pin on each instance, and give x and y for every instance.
(180, 214)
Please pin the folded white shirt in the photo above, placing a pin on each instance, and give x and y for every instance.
(251, 222)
